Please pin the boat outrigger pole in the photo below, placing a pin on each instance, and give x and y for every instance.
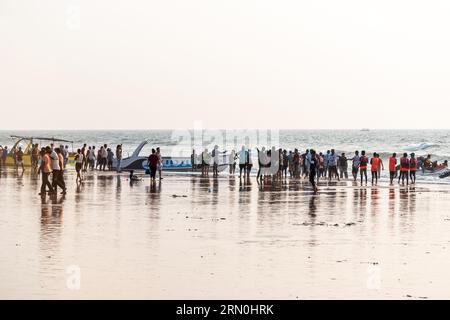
(31, 139)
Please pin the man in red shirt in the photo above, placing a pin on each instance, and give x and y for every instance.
(392, 167)
(404, 169)
(153, 164)
(363, 160)
(413, 168)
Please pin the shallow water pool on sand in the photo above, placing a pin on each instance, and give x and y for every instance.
(196, 238)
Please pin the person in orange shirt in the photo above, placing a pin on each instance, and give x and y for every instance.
(46, 170)
(375, 164)
(393, 167)
(404, 169)
(413, 168)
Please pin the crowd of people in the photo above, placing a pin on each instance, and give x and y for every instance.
(36, 156)
(276, 164)
(273, 164)
(217, 159)
(50, 162)
(88, 158)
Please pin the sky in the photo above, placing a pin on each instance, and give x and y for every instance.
(108, 64)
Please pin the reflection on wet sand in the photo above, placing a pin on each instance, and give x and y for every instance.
(197, 237)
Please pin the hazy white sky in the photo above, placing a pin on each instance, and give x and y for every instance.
(100, 64)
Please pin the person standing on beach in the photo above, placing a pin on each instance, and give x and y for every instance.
(232, 162)
(248, 163)
(153, 165)
(242, 161)
(319, 166)
(58, 170)
(1, 157)
(99, 158)
(55, 169)
(302, 165)
(119, 158)
(355, 165)
(66, 156)
(91, 158)
(83, 152)
(110, 158)
(268, 164)
(413, 168)
(4, 155)
(404, 169)
(14, 156)
(205, 163)
(381, 166)
(19, 159)
(313, 168)
(343, 166)
(34, 158)
(215, 156)
(285, 163)
(104, 157)
(79, 165)
(275, 163)
(46, 170)
(193, 160)
(332, 166)
(89, 152)
(306, 162)
(326, 163)
(291, 164)
(392, 167)
(363, 161)
(98, 166)
(60, 153)
(159, 166)
(375, 164)
(280, 164)
(296, 161)
(261, 156)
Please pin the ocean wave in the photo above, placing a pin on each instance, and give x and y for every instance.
(420, 146)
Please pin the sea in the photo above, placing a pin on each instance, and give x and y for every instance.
(182, 142)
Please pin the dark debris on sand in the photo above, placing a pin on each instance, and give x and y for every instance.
(324, 224)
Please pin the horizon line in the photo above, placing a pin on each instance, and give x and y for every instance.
(286, 129)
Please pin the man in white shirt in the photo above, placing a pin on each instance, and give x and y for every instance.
(332, 165)
(66, 156)
(91, 158)
(205, 162)
(57, 178)
(232, 161)
(242, 161)
(119, 157)
(104, 156)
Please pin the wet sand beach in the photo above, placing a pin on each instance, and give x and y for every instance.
(197, 238)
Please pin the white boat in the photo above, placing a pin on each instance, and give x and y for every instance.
(176, 164)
